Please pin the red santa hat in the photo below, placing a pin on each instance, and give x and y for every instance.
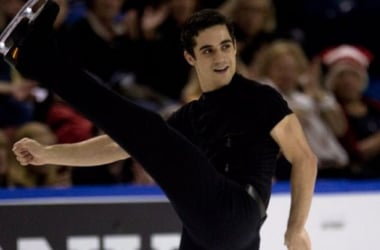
(346, 58)
(348, 54)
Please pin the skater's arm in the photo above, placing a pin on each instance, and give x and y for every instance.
(95, 151)
(290, 137)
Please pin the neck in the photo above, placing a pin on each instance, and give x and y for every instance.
(206, 86)
(210, 88)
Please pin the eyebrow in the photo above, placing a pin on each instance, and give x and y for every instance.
(209, 46)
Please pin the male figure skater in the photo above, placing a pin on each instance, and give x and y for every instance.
(214, 158)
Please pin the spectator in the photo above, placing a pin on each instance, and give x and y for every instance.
(347, 77)
(106, 33)
(18, 99)
(255, 25)
(284, 65)
(161, 35)
(13, 111)
(100, 35)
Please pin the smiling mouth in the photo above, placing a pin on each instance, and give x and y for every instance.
(222, 70)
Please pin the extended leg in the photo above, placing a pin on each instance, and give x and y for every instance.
(178, 167)
(203, 198)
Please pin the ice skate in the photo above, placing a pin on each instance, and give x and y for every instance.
(35, 18)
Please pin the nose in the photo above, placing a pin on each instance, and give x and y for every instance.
(219, 57)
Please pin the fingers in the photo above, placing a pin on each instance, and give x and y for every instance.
(298, 241)
(301, 245)
(21, 151)
(24, 158)
(21, 145)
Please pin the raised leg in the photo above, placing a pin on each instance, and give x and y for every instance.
(217, 212)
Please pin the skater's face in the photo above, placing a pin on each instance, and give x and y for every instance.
(214, 57)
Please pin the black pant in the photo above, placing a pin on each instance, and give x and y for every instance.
(216, 213)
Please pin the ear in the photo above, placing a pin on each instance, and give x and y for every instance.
(189, 58)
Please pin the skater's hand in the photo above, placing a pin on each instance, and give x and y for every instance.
(297, 240)
(29, 152)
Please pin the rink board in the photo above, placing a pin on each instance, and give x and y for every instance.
(344, 216)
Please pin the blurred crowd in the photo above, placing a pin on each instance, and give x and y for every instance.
(133, 46)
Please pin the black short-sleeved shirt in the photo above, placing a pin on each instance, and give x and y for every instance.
(232, 125)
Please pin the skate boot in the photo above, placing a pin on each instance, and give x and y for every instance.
(25, 37)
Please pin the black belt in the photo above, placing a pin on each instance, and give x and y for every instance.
(253, 193)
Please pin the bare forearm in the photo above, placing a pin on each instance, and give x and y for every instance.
(95, 151)
(302, 189)
(304, 171)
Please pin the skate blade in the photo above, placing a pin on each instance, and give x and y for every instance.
(27, 14)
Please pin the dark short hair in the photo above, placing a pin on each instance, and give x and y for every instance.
(200, 21)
